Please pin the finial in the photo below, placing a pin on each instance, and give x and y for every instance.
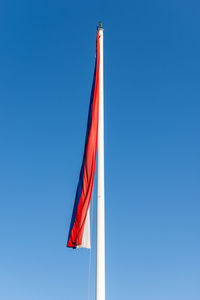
(100, 24)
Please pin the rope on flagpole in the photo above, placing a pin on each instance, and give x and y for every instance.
(90, 250)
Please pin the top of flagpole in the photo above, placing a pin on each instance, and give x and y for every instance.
(100, 27)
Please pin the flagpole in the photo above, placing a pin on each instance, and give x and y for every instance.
(100, 258)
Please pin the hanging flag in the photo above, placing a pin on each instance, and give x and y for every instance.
(79, 233)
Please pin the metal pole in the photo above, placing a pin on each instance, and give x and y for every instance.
(100, 267)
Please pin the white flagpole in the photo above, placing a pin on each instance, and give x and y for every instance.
(100, 267)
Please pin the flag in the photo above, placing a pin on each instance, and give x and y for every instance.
(79, 233)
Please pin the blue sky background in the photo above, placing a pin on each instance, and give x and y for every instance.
(152, 147)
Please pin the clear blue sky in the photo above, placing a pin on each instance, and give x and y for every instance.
(152, 147)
